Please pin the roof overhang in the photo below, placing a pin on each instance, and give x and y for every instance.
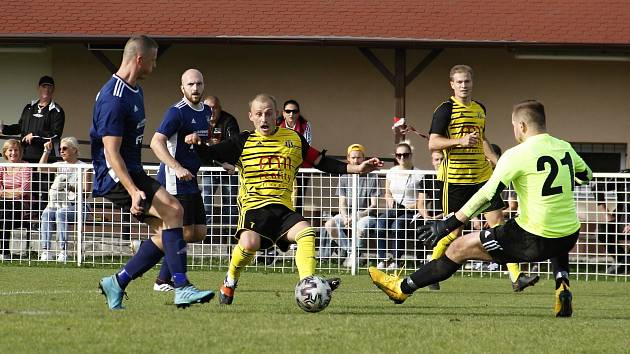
(371, 42)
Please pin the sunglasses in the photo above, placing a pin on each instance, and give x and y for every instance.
(404, 154)
(289, 111)
(64, 148)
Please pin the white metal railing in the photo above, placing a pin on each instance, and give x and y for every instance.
(102, 234)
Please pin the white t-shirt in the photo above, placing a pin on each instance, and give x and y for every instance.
(62, 192)
(404, 186)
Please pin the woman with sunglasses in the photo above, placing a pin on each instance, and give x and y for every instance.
(291, 118)
(62, 197)
(15, 193)
(402, 189)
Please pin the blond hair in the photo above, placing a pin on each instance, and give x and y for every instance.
(532, 112)
(9, 144)
(460, 68)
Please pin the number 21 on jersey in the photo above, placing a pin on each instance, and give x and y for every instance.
(554, 169)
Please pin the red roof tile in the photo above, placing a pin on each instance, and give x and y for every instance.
(604, 22)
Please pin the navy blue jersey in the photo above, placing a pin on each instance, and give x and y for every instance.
(118, 111)
(180, 120)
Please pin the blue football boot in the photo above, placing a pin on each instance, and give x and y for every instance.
(112, 291)
(188, 295)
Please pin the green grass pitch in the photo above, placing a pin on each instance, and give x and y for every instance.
(59, 310)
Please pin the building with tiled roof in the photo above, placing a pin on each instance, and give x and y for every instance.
(596, 23)
(352, 64)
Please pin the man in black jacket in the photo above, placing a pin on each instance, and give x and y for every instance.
(222, 126)
(42, 119)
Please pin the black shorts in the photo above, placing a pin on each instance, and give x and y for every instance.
(509, 243)
(458, 194)
(121, 199)
(271, 222)
(194, 212)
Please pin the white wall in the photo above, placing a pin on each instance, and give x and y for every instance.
(345, 97)
(19, 75)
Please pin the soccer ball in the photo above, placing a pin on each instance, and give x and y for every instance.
(313, 294)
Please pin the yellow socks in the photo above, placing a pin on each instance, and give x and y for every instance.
(515, 270)
(305, 254)
(241, 258)
(442, 245)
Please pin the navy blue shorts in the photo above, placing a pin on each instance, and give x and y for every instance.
(121, 199)
(194, 212)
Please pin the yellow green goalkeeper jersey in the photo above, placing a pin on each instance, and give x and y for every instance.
(542, 170)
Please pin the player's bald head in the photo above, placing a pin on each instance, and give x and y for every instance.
(531, 112)
(266, 98)
(191, 75)
(138, 45)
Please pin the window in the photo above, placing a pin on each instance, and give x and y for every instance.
(603, 157)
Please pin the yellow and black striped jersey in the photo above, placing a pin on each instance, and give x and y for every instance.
(462, 165)
(267, 165)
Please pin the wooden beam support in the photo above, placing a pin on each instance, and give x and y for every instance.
(378, 64)
(104, 60)
(400, 79)
(422, 65)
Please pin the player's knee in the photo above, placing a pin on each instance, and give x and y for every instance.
(456, 250)
(249, 241)
(169, 209)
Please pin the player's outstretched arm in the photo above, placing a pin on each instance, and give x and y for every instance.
(227, 151)
(370, 165)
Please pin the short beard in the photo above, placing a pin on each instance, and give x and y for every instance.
(194, 101)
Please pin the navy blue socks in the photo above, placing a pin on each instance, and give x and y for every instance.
(148, 255)
(175, 254)
(165, 273)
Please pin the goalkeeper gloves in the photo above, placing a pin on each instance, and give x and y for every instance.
(432, 232)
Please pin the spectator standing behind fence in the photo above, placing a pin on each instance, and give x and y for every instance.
(61, 210)
(222, 126)
(402, 189)
(616, 227)
(292, 118)
(41, 119)
(339, 226)
(15, 188)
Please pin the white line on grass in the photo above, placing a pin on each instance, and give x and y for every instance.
(30, 312)
(44, 292)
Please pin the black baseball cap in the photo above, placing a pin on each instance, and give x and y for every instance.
(46, 80)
